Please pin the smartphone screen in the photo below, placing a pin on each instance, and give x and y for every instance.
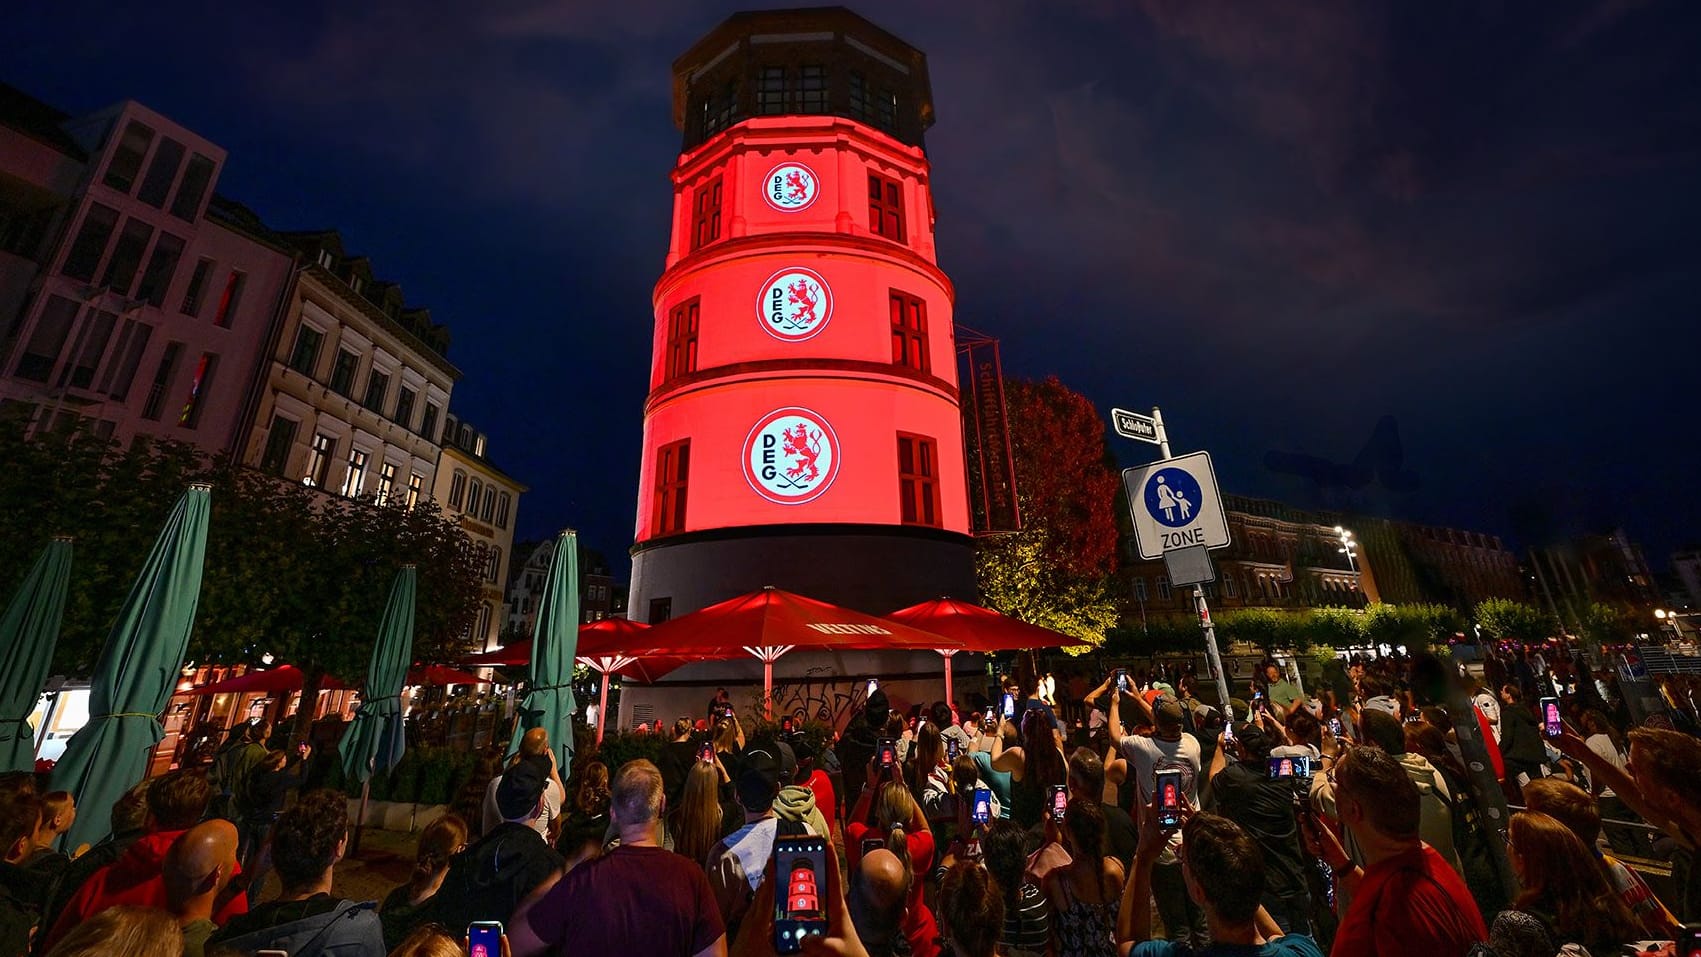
(785, 725)
(872, 844)
(1281, 769)
(801, 862)
(1335, 727)
(1550, 717)
(1059, 803)
(1228, 728)
(1168, 786)
(484, 938)
(888, 751)
(981, 813)
(1008, 708)
(1122, 680)
(706, 753)
(951, 748)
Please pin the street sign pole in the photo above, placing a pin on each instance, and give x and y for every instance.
(1200, 607)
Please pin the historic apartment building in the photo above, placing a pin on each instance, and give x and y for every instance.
(357, 384)
(134, 301)
(486, 501)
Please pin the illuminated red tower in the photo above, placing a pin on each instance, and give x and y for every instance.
(802, 428)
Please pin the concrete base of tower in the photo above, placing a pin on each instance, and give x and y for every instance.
(869, 568)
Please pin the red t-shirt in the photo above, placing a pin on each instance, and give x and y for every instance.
(1412, 904)
(919, 926)
(632, 900)
(825, 801)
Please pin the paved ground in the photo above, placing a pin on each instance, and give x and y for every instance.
(385, 859)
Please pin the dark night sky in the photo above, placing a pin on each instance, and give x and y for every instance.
(1280, 222)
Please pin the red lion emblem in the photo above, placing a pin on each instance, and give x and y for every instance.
(800, 442)
(797, 188)
(806, 298)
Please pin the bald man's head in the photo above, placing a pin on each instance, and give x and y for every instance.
(879, 891)
(535, 743)
(199, 865)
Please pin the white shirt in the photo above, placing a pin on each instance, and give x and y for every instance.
(1603, 746)
(552, 797)
(1146, 755)
(1489, 705)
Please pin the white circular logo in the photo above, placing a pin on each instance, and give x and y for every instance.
(791, 456)
(794, 304)
(791, 187)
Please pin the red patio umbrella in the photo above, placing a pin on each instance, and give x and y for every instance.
(978, 629)
(604, 646)
(283, 678)
(769, 623)
(441, 676)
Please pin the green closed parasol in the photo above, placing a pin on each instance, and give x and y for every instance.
(549, 700)
(28, 632)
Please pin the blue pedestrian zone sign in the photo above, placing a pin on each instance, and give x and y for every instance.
(1175, 504)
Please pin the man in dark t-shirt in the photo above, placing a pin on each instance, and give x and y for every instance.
(1243, 792)
(676, 760)
(1086, 782)
(636, 899)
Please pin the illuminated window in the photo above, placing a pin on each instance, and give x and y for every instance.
(682, 339)
(230, 298)
(386, 482)
(305, 356)
(909, 332)
(162, 266)
(127, 157)
(416, 483)
(771, 91)
(354, 480)
(342, 372)
(706, 214)
(319, 461)
(127, 256)
(885, 207)
(673, 470)
(199, 386)
(457, 488)
(918, 480)
(90, 244)
(162, 380)
(1163, 587)
(197, 288)
(812, 89)
(279, 441)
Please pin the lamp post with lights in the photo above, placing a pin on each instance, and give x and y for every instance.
(1349, 548)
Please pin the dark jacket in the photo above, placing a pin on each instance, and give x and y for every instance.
(78, 872)
(320, 926)
(488, 880)
(856, 749)
(264, 796)
(1520, 736)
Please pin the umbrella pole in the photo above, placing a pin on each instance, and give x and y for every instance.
(949, 703)
(602, 709)
(768, 686)
(360, 823)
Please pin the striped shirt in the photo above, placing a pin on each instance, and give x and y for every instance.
(1027, 926)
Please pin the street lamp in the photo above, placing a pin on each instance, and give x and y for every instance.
(1670, 618)
(1349, 547)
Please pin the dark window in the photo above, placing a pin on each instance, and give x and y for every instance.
(771, 91)
(918, 480)
(859, 97)
(305, 356)
(90, 245)
(661, 609)
(126, 257)
(428, 428)
(162, 381)
(404, 406)
(342, 372)
(22, 230)
(91, 346)
(673, 469)
(812, 90)
(196, 177)
(127, 157)
(885, 104)
(682, 339)
(199, 386)
(162, 172)
(489, 510)
(885, 207)
(41, 353)
(377, 390)
(909, 332)
(162, 266)
(720, 110)
(126, 357)
(503, 504)
(457, 488)
(706, 213)
(230, 298)
(197, 288)
(278, 443)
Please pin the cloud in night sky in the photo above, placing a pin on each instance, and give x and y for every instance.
(1279, 222)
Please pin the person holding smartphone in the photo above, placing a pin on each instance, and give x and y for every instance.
(1170, 747)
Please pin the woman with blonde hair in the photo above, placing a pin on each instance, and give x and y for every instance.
(702, 818)
(441, 840)
(1566, 898)
(430, 940)
(123, 932)
(892, 815)
(928, 775)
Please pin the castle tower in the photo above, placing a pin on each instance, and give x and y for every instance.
(802, 427)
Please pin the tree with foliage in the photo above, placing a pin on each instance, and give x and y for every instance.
(1057, 571)
(1416, 626)
(1503, 618)
(289, 571)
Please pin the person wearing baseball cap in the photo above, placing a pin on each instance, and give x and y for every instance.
(488, 880)
(738, 864)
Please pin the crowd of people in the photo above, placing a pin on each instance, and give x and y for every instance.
(1135, 820)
